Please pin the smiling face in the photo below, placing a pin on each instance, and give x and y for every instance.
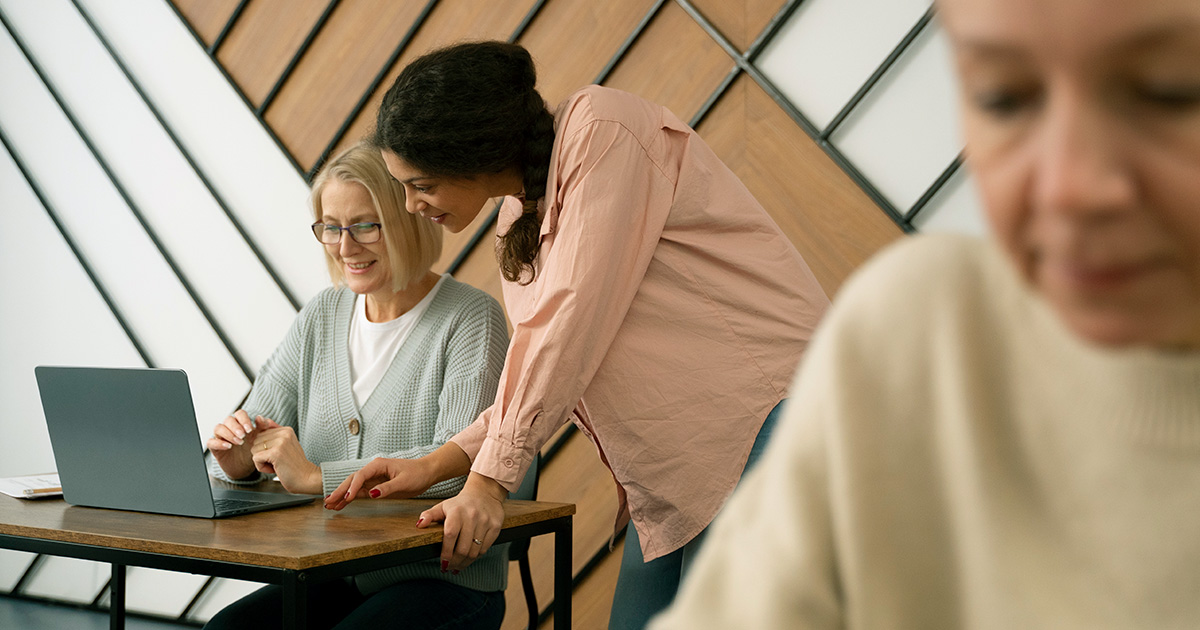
(451, 202)
(1082, 120)
(365, 268)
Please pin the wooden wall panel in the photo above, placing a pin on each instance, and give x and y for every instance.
(207, 17)
(828, 217)
(452, 244)
(480, 268)
(741, 22)
(576, 475)
(573, 40)
(263, 41)
(592, 603)
(674, 63)
(351, 49)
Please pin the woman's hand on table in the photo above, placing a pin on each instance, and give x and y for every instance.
(231, 444)
(277, 451)
(383, 477)
(471, 521)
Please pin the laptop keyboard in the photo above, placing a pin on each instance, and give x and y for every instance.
(233, 505)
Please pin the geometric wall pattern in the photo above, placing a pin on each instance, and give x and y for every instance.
(156, 157)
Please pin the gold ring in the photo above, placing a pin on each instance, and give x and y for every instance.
(477, 541)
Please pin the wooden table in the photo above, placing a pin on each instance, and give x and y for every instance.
(291, 546)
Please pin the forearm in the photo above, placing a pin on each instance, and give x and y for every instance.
(447, 462)
(477, 483)
(247, 475)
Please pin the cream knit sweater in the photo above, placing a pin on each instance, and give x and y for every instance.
(952, 457)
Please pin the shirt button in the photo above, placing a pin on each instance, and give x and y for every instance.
(508, 463)
(353, 426)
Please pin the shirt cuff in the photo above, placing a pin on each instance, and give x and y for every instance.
(502, 462)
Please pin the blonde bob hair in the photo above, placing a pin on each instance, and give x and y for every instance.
(412, 243)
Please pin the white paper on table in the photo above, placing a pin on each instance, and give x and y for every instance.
(32, 486)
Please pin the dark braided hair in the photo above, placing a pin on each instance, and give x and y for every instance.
(472, 109)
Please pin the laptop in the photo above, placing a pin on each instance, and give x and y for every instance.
(127, 439)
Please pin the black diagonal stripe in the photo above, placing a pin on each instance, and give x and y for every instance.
(526, 21)
(27, 576)
(100, 595)
(87, 268)
(341, 132)
(287, 72)
(777, 21)
(241, 230)
(585, 571)
(490, 222)
(883, 68)
(366, 95)
(831, 151)
(712, 99)
(229, 24)
(935, 187)
(191, 605)
(628, 43)
(133, 207)
(469, 247)
(237, 89)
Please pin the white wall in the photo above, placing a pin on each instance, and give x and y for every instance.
(156, 240)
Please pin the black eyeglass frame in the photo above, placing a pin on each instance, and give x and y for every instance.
(318, 228)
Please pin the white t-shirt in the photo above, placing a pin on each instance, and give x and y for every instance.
(373, 345)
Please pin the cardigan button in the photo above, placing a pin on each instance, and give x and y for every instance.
(353, 426)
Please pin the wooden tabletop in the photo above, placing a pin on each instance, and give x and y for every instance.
(297, 538)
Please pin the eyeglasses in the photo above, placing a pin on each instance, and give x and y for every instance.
(362, 233)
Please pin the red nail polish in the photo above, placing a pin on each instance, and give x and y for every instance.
(445, 565)
(454, 572)
(420, 520)
(375, 493)
(347, 496)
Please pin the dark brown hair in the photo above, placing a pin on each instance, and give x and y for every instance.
(472, 109)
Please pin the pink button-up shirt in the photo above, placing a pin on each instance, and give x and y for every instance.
(667, 317)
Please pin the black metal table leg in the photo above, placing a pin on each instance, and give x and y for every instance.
(116, 598)
(562, 576)
(295, 600)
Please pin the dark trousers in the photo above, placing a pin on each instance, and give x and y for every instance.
(413, 604)
(646, 588)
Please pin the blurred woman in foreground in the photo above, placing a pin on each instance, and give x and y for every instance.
(1025, 452)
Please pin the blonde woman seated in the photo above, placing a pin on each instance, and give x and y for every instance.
(393, 362)
(1023, 451)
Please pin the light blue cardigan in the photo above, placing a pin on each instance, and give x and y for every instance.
(443, 376)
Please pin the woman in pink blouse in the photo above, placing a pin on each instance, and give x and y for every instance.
(654, 303)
